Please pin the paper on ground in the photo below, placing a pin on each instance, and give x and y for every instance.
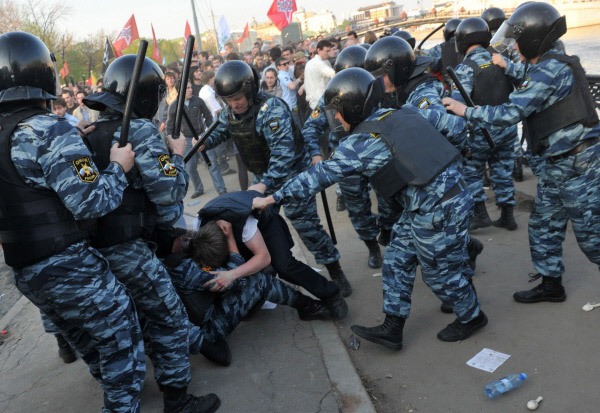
(488, 360)
(268, 306)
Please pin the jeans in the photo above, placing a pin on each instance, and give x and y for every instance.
(192, 169)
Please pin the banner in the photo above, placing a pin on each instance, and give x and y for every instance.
(223, 33)
(281, 12)
(155, 50)
(108, 54)
(128, 34)
(64, 71)
(186, 33)
(245, 35)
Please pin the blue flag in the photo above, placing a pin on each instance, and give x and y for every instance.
(223, 33)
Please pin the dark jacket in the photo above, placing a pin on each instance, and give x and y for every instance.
(196, 109)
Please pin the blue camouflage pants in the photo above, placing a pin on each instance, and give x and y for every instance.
(437, 241)
(567, 190)
(501, 167)
(162, 314)
(78, 292)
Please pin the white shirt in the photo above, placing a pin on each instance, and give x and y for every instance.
(207, 94)
(250, 229)
(317, 74)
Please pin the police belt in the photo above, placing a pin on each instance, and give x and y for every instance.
(455, 190)
(583, 145)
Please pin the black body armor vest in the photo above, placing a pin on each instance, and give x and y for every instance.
(419, 151)
(450, 57)
(136, 216)
(253, 148)
(490, 84)
(577, 107)
(412, 85)
(34, 223)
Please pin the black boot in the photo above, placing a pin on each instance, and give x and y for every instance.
(337, 306)
(339, 278)
(374, 253)
(550, 289)
(217, 352)
(309, 309)
(457, 331)
(65, 351)
(384, 237)
(340, 204)
(177, 400)
(507, 219)
(388, 334)
(481, 219)
(474, 248)
(518, 169)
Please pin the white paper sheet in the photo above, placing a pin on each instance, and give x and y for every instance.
(488, 360)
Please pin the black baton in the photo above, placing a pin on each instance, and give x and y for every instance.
(430, 34)
(189, 124)
(201, 141)
(133, 84)
(189, 48)
(328, 217)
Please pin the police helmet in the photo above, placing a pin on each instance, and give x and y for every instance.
(352, 56)
(392, 56)
(365, 46)
(494, 17)
(472, 31)
(535, 26)
(235, 77)
(27, 69)
(354, 93)
(403, 34)
(450, 28)
(150, 90)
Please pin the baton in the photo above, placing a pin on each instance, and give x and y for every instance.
(328, 217)
(188, 122)
(430, 34)
(470, 104)
(133, 84)
(187, 61)
(201, 141)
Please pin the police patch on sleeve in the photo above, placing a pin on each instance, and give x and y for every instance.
(525, 83)
(85, 171)
(167, 166)
(274, 125)
(424, 103)
(315, 114)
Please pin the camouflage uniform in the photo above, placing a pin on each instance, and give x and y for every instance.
(75, 288)
(428, 233)
(502, 162)
(569, 187)
(134, 263)
(274, 122)
(231, 306)
(355, 189)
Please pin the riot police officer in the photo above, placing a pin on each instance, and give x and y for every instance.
(445, 53)
(403, 34)
(51, 190)
(487, 85)
(562, 125)
(494, 17)
(421, 175)
(272, 147)
(122, 236)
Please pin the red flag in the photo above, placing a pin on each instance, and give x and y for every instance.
(128, 34)
(245, 35)
(64, 71)
(155, 51)
(187, 33)
(281, 12)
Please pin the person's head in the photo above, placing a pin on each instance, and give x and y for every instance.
(352, 56)
(287, 54)
(392, 58)
(270, 78)
(170, 79)
(255, 50)
(494, 17)
(352, 38)
(259, 59)
(233, 56)
(472, 31)
(403, 34)
(202, 57)
(319, 38)
(28, 71)
(450, 28)
(353, 94)
(59, 107)
(333, 51)
(207, 66)
(210, 248)
(274, 54)
(370, 37)
(249, 59)
(67, 95)
(217, 62)
(189, 91)
(323, 49)
(236, 83)
(208, 78)
(282, 64)
(259, 41)
(196, 73)
(229, 48)
(306, 45)
(80, 95)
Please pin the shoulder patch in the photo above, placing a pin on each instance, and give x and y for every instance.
(424, 103)
(315, 113)
(85, 171)
(375, 135)
(332, 153)
(274, 125)
(525, 83)
(166, 165)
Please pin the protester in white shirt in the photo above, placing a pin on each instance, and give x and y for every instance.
(207, 93)
(318, 73)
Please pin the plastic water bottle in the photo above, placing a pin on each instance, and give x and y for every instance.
(496, 388)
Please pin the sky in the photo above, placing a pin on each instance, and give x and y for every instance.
(168, 16)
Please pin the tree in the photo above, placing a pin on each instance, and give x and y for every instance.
(41, 20)
(10, 16)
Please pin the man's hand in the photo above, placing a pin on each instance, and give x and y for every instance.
(262, 203)
(162, 127)
(221, 282)
(85, 127)
(177, 146)
(316, 159)
(498, 60)
(123, 156)
(301, 90)
(454, 106)
(259, 187)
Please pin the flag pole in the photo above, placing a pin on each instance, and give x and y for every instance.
(199, 43)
